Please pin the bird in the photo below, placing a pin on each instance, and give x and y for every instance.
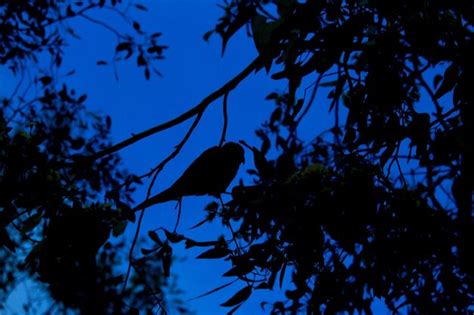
(209, 174)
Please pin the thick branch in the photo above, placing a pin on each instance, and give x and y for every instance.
(201, 107)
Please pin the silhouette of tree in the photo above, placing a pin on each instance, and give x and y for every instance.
(49, 196)
(377, 207)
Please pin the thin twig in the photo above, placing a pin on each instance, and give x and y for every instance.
(311, 99)
(60, 18)
(179, 215)
(178, 148)
(226, 119)
(103, 24)
(156, 171)
(401, 172)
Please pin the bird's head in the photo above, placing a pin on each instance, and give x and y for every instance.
(234, 151)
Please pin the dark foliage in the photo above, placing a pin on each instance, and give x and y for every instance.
(377, 207)
(380, 205)
(58, 211)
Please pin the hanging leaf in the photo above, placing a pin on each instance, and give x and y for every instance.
(213, 290)
(155, 238)
(125, 47)
(238, 298)
(174, 237)
(232, 311)
(214, 253)
(141, 7)
(239, 270)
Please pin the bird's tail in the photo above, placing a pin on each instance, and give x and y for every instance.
(164, 196)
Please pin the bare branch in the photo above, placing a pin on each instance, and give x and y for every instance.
(156, 171)
(201, 107)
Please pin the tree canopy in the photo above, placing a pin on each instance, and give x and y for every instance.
(378, 207)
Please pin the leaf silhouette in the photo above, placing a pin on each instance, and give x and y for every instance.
(239, 297)
(213, 253)
(214, 290)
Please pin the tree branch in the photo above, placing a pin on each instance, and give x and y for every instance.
(201, 107)
(156, 170)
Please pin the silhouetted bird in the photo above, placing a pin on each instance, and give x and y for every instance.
(209, 174)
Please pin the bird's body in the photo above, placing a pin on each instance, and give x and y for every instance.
(210, 174)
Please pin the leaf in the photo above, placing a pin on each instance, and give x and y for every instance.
(174, 237)
(136, 26)
(46, 80)
(122, 46)
(125, 46)
(240, 297)
(232, 311)
(213, 290)
(199, 223)
(141, 61)
(240, 269)
(69, 11)
(207, 35)
(276, 115)
(155, 238)
(192, 243)
(147, 73)
(214, 253)
(141, 7)
(157, 49)
(108, 121)
(82, 98)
